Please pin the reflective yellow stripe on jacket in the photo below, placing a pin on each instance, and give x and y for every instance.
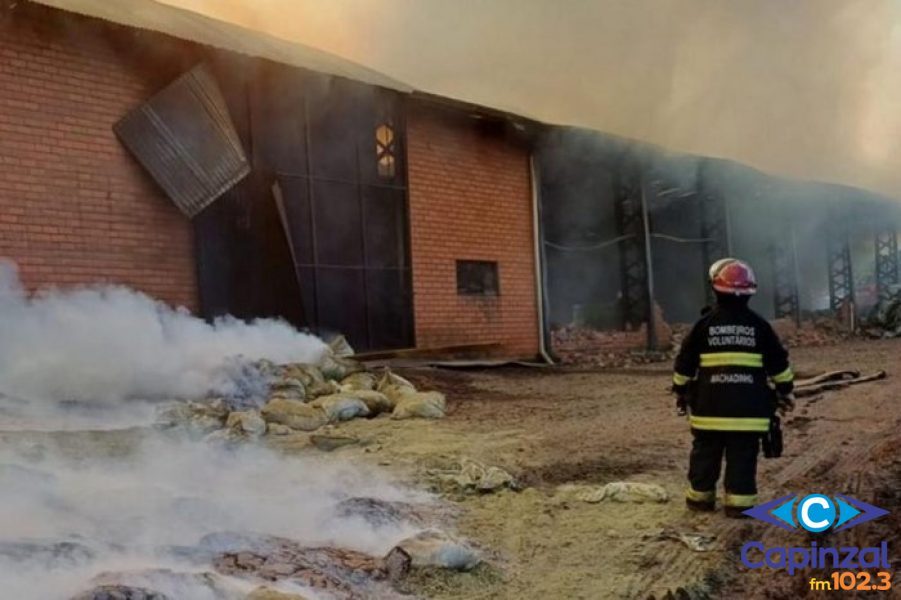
(731, 359)
(680, 379)
(729, 423)
(785, 376)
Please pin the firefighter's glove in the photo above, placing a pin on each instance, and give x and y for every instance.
(785, 403)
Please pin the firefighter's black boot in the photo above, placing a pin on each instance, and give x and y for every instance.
(700, 505)
(735, 512)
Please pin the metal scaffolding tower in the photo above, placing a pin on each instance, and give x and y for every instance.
(886, 241)
(841, 280)
(785, 279)
(784, 256)
(633, 262)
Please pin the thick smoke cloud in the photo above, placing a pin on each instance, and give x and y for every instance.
(111, 343)
(806, 89)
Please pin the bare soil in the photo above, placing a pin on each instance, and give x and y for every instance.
(554, 426)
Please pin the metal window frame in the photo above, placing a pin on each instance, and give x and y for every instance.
(494, 268)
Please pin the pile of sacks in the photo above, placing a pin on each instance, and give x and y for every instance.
(306, 397)
(303, 398)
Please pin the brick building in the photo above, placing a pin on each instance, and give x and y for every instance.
(405, 220)
(470, 196)
(74, 206)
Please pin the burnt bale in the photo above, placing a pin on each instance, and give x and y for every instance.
(50, 555)
(378, 513)
(120, 592)
(342, 573)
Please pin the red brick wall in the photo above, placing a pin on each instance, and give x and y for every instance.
(74, 207)
(470, 198)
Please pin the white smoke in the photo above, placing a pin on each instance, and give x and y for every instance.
(111, 343)
(89, 497)
(147, 508)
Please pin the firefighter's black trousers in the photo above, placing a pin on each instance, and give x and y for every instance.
(740, 449)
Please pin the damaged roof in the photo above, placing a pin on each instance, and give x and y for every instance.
(187, 25)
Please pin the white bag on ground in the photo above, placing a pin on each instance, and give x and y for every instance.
(394, 387)
(359, 381)
(426, 405)
(288, 388)
(341, 407)
(376, 402)
(247, 422)
(306, 374)
(617, 491)
(432, 548)
(340, 346)
(484, 478)
(294, 414)
(633, 491)
(338, 367)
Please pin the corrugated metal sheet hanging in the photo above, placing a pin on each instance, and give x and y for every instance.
(186, 140)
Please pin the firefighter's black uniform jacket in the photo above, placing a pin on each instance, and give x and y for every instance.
(727, 359)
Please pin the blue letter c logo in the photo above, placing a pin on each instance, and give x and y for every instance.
(816, 513)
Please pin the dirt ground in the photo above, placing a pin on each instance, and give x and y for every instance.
(552, 426)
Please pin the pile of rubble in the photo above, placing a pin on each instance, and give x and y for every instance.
(884, 320)
(305, 397)
(590, 347)
(813, 332)
(577, 344)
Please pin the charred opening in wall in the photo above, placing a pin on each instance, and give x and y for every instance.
(580, 184)
(243, 258)
(317, 232)
(329, 168)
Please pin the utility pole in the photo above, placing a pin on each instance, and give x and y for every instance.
(649, 269)
(796, 271)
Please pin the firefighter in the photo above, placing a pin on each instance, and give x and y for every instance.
(722, 377)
